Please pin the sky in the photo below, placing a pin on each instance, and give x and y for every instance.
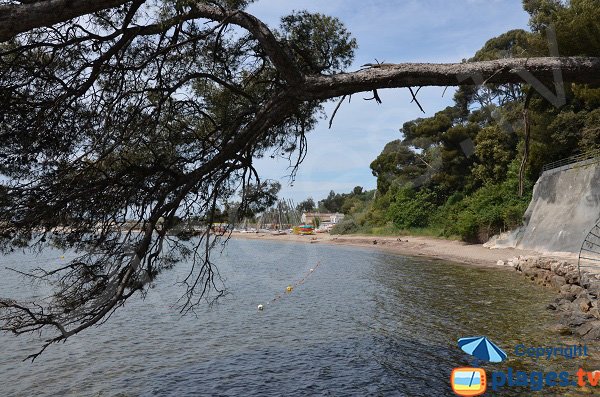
(391, 31)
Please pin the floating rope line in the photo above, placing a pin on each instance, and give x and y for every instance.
(290, 288)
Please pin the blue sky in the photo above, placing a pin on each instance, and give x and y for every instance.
(391, 31)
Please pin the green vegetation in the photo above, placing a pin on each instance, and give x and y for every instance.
(457, 174)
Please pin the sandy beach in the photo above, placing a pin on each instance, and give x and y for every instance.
(455, 251)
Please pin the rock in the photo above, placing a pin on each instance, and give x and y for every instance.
(557, 300)
(594, 311)
(569, 296)
(583, 294)
(532, 271)
(556, 267)
(527, 265)
(584, 329)
(557, 281)
(500, 263)
(546, 275)
(573, 319)
(565, 305)
(579, 300)
(594, 289)
(594, 333)
(576, 289)
(583, 303)
(562, 329)
(570, 292)
(543, 264)
(561, 268)
(585, 280)
(572, 277)
(514, 262)
(570, 289)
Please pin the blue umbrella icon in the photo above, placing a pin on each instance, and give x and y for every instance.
(482, 348)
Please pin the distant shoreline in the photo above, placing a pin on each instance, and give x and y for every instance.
(414, 246)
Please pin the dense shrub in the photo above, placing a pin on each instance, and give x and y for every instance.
(347, 226)
(411, 209)
(488, 211)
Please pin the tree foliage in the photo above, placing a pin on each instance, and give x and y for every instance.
(320, 43)
(307, 205)
(115, 129)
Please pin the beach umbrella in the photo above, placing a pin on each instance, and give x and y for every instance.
(482, 348)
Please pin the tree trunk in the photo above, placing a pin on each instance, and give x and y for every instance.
(527, 142)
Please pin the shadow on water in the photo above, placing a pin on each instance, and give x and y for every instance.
(364, 323)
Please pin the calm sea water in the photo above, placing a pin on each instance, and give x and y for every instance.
(364, 323)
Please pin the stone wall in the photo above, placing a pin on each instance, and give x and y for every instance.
(577, 304)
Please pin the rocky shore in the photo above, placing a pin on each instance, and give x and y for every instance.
(577, 304)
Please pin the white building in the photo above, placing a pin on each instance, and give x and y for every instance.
(324, 218)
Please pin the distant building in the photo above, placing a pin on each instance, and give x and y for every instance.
(336, 218)
(324, 218)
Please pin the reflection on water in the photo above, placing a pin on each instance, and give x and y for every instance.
(365, 323)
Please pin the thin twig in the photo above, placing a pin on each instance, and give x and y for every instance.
(375, 97)
(336, 110)
(415, 100)
(493, 75)
(416, 93)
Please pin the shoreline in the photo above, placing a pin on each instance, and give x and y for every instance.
(413, 246)
(577, 302)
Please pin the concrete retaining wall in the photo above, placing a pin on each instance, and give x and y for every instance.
(564, 208)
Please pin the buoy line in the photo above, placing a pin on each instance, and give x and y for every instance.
(290, 288)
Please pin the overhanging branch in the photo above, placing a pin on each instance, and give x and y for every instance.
(503, 71)
(15, 19)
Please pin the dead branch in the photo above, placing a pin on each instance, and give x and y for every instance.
(414, 97)
(375, 97)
